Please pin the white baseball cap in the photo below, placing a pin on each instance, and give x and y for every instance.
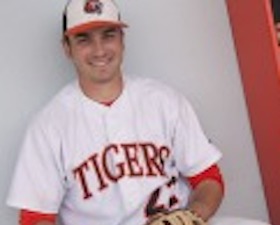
(81, 15)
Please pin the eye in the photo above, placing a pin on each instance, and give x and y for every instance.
(81, 38)
(110, 33)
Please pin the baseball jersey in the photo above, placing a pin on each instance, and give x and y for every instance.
(94, 164)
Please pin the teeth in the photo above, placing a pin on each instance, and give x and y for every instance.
(99, 63)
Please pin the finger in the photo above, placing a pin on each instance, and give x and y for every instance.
(180, 218)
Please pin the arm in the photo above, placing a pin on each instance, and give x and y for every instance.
(206, 198)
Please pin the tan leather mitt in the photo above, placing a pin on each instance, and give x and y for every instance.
(176, 217)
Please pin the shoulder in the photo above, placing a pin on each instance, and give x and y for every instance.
(149, 89)
(58, 108)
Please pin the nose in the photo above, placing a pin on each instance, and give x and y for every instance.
(98, 47)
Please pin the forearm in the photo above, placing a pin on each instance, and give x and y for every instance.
(206, 198)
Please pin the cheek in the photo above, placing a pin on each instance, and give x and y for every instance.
(79, 61)
(79, 55)
(119, 51)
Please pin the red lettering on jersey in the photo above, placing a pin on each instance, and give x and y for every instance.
(79, 173)
(145, 159)
(96, 166)
(153, 159)
(164, 153)
(120, 166)
(130, 151)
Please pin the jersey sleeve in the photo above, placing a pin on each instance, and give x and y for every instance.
(38, 182)
(193, 151)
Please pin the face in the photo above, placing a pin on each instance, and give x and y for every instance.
(97, 54)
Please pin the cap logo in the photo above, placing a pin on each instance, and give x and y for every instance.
(93, 6)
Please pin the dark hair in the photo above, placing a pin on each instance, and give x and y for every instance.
(64, 22)
(64, 27)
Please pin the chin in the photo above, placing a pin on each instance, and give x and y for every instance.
(102, 79)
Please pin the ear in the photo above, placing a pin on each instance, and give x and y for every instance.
(66, 46)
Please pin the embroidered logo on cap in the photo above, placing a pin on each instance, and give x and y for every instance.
(93, 6)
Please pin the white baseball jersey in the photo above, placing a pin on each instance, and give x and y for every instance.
(94, 164)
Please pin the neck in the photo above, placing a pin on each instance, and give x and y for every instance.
(103, 91)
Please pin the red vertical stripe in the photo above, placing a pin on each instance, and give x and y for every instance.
(256, 46)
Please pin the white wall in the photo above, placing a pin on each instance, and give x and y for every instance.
(186, 43)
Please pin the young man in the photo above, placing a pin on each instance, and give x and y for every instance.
(110, 149)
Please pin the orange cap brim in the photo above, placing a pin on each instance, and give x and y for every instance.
(91, 25)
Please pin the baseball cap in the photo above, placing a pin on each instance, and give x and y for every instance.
(81, 15)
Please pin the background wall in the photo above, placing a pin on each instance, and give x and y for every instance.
(185, 43)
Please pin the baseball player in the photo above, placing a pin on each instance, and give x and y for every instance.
(113, 149)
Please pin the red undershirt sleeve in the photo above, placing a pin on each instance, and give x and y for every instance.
(212, 172)
(32, 218)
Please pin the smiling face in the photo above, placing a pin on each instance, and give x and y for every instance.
(97, 54)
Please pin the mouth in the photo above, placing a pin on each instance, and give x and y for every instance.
(100, 62)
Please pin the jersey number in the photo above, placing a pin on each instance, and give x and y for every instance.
(153, 207)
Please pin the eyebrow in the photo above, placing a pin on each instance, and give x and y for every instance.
(112, 29)
(106, 30)
(79, 35)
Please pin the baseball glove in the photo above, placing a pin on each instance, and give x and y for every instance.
(176, 217)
